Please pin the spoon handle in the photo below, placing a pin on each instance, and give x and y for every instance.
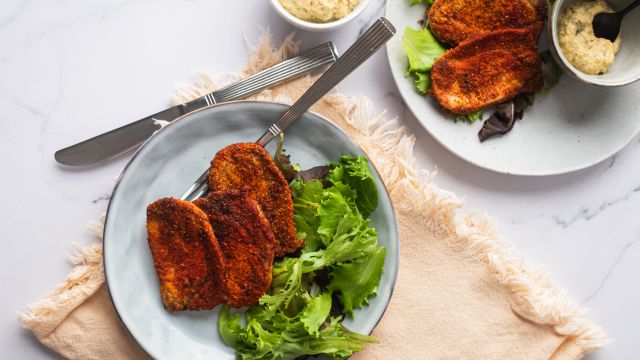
(361, 50)
(629, 7)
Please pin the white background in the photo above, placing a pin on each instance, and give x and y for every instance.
(73, 69)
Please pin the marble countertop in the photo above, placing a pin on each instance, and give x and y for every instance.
(72, 69)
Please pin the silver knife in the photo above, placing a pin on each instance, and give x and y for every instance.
(130, 136)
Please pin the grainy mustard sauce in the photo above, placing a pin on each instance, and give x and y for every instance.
(319, 11)
(585, 51)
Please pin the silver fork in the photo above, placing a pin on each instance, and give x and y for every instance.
(372, 39)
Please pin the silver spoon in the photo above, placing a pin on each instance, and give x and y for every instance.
(607, 25)
(372, 39)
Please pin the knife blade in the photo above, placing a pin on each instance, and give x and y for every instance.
(128, 137)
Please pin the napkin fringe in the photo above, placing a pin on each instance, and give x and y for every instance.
(535, 296)
(44, 316)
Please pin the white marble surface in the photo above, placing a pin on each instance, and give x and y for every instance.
(71, 69)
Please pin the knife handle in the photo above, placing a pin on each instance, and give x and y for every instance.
(289, 69)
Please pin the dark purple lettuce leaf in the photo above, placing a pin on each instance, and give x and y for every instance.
(283, 162)
(317, 172)
(505, 116)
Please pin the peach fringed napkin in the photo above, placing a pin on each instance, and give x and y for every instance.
(461, 293)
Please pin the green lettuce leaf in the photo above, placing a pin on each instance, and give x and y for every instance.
(357, 280)
(422, 81)
(281, 298)
(316, 312)
(359, 178)
(354, 172)
(266, 340)
(421, 48)
(306, 202)
(334, 207)
(416, 2)
(229, 327)
(353, 238)
(470, 117)
(306, 229)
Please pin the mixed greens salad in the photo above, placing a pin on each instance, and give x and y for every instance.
(423, 49)
(337, 271)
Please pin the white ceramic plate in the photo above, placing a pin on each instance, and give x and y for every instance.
(575, 126)
(164, 167)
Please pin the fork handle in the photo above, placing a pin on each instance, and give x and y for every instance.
(376, 36)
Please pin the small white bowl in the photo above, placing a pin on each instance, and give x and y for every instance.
(626, 67)
(311, 26)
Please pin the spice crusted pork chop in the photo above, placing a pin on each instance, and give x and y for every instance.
(487, 70)
(247, 244)
(186, 255)
(453, 21)
(249, 167)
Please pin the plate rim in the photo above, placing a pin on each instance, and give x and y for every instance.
(451, 149)
(268, 103)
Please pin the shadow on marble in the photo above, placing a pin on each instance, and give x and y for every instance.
(30, 339)
(122, 158)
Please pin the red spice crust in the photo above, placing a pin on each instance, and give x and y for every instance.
(247, 244)
(454, 21)
(186, 255)
(486, 70)
(249, 167)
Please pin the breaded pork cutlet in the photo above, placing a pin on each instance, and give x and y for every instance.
(247, 244)
(186, 255)
(249, 167)
(487, 70)
(453, 21)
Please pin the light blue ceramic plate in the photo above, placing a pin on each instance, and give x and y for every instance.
(164, 167)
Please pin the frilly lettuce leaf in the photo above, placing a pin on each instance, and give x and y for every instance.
(265, 342)
(416, 2)
(354, 172)
(333, 209)
(316, 312)
(281, 298)
(229, 327)
(470, 117)
(422, 81)
(306, 229)
(306, 204)
(357, 280)
(353, 239)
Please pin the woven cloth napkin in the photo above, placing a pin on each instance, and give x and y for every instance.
(461, 293)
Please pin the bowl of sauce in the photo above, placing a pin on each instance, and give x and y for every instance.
(591, 59)
(319, 15)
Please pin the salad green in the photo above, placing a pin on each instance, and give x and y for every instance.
(422, 49)
(338, 270)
